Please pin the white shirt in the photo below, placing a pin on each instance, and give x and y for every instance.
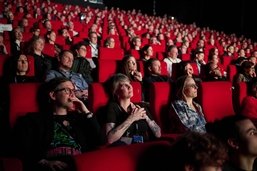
(169, 61)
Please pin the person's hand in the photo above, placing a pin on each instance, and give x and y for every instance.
(78, 105)
(53, 165)
(137, 113)
(137, 75)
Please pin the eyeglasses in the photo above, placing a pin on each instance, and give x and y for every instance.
(192, 86)
(66, 90)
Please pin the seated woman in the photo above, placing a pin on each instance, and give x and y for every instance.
(246, 73)
(129, 68)
(185, 68)
(186, 115)
(249, 105)
(20, 70)
(127, 122)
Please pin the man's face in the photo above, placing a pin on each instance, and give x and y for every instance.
(247, 137)
(66, 60)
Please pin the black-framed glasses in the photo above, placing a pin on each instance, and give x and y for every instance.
(66, 90)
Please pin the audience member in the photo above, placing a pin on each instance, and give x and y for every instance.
(42, 62)
(46, 141)
(81, 64)
(249, 104)
(20, 70)
(246, 73)
(3, 50)
(172, 58)
(194, 151)
(238, 133)
(64, 70)
(185, 114)
(153, 74)
(127, 122)
(130, 69)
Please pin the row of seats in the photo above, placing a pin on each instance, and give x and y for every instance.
(135, 157)
(215, 98)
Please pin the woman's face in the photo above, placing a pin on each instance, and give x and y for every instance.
(190, 88)
(132, 64)
(22, 64)
(124, 90)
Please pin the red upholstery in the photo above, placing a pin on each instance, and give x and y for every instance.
(23, 99)
(98, 97)
(3, 59)
(216, 99)
(49, 50)
(31, 62)
(10, 164)
(232, 70)
(164, 70)
(185, 57)
(135, 53)
(125, 158)
(195, 68)
(160, 98)
(106, 68)
(110, 54)
(226, 60)
(239, 94)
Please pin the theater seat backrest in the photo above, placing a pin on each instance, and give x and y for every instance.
(125, 158)
(232, 70)
(3, 60)
(23, 99)
(216, 99)
(98, 97)
(160, 99)
(31, 62)
(10, 164)
(240, 92)
(110, 54)
(106, 68)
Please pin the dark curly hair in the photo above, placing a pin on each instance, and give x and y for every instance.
(198, 150)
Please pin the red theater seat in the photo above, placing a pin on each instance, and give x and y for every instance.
(10, 164)
(125, 158)
(98, 96)
(110, 54)
(240, 92)
(31, 62)
(23, 99)
(232, 70)
(216, 99)
(160, 99)
(106, 68)
(3, 60)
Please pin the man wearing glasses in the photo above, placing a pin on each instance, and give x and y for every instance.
(48, 140)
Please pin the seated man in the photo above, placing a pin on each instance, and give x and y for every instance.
(47, 140)
(64, 70)
(153, 74)
(240, 135)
